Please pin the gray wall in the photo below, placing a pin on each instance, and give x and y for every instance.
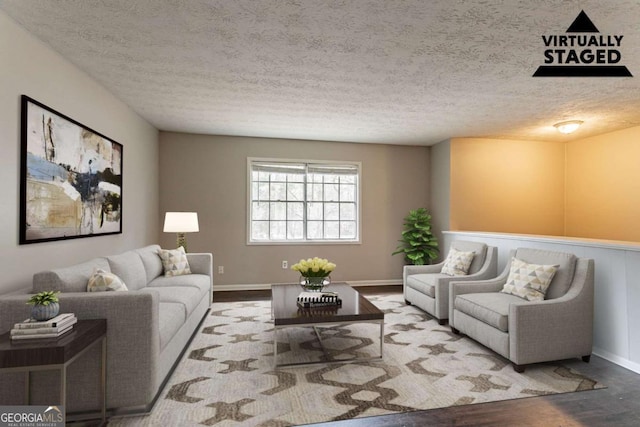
(208, 174)
(440, 173)
(30, 67)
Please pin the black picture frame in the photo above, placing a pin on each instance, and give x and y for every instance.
(70, 178)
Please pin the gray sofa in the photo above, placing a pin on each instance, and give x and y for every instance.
(147, 329)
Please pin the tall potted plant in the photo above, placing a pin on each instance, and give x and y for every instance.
(418, 244)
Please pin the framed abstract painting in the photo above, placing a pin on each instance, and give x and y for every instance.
(71, 178)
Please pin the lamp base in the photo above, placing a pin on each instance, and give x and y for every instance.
(181, 240)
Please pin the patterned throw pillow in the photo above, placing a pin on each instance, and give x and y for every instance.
(102, 281)
(174, 262)
(529, 281)
(457, 262)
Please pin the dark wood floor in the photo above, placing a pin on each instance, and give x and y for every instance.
(617, 405)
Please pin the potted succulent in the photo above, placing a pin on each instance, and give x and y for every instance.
(418, 243)
(45, 305)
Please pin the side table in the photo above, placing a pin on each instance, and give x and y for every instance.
(57, 353)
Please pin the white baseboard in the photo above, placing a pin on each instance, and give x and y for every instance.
(621, 361)
(267, 286)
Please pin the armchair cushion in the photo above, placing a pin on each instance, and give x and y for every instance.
(457, 262)
(529, 281)
(491, 308)
(564, 276)
(425, 283)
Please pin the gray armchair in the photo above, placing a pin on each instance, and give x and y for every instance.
(525, 332)
(428, 289)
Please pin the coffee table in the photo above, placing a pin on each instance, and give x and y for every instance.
(355, 309)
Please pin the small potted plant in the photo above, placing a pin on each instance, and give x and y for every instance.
(45, 305)
(418, 245)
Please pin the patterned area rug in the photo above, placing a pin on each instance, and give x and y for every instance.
(227, 377)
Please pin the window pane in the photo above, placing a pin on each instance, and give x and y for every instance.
(295, 230)
(347, 193)
(278, 191)
(316, 178)
(314, 211)
(260, 230)
(295, 177)
(331, 230)
(260, 210)
(331, 192)
(347, 229)
(331, 211)
(314, 229)
(347, 211)
(295, 211)
(347, 179)
(278, 230)
(263, 191)
(278, 177)
(331, 178)
(314, 192)
(278, 211)
(263, 176)
(295, 192)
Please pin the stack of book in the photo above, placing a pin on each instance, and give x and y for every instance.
(52, 328)
(319, 299)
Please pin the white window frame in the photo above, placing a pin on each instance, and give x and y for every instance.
(356, 241)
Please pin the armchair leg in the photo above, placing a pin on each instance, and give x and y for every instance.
(407, 302)
(586, 358)
(442, 321)
(518, 368)
(455, 331)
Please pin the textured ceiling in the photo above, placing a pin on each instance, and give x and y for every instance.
(382, 71)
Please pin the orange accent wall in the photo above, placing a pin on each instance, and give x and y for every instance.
(603, 186)
(507, 186)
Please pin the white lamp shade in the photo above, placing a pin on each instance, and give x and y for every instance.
(181, 222)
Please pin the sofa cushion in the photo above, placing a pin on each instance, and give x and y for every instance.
(199, 281)
(171, 317)
(566, 267)
(425, 283)
(68, 279)
(188, 297)
(491, 308)
(129, 267)
(151, 261)
(174, 262)
(102, 281)
(457, 262)
(529, 281)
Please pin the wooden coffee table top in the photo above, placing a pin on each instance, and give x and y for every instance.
(355, 307)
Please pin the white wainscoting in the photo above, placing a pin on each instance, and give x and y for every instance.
(617, 286)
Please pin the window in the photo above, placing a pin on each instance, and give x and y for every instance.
(302, 202)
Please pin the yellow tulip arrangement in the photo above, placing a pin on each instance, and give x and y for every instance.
(314, 267)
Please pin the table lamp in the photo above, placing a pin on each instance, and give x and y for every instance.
(181, 223)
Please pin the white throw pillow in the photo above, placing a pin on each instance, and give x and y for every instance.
(174, 262)
(102, 281)
(457, 262)
(529, 281)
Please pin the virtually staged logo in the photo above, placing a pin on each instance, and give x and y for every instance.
(581, 53)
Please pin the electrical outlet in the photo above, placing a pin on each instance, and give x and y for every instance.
(221, 269)
(285, 264)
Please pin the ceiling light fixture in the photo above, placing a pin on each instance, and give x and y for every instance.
(568, 126)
